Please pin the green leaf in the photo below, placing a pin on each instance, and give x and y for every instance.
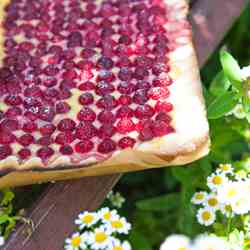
(186, 221)
(190, 174)
(220, 84)
(9, 228)
(248, 116)
(139, 241)
(8, 196)
(4, 218)
(162, 203)
(207, 95)
(231, 69)
(222, 105)
(246, 103)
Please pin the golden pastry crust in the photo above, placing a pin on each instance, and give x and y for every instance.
(189, 143)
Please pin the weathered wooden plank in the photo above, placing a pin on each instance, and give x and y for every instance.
(55, 211)
(211, 20)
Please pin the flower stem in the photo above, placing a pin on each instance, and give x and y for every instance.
(229, 224)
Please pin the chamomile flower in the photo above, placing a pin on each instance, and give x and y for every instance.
(247, 185)
(100, 238)
(76, 242)
(119, 225)
(176, 242)
(206, 216)
(216, 180)
(86, 219)
(106, 215)
(225, 169)
(241, 205)
(206, 242)
(226, 210)
(229, 192)
(212, 201)
(199, 198)
(118, 245)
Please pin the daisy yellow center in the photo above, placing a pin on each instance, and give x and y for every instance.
(206, 216)
(75, 242)
(107, 216)
(225, 167)
(117, 248)
(100, 237)
(199, 196)
(116, 224)
(182, 248)
(217, 180)
(228, 208)
(87, 219)
(231, 192)
(212, 202)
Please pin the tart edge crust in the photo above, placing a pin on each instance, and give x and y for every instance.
(131, 159)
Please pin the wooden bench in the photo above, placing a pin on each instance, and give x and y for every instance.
(54, 213)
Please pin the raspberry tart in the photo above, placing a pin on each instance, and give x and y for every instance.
(92, 87)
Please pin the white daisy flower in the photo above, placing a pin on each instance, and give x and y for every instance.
(229, 192)
(119, 225)
(206, 216)
(176, 242)
(225, 169)
(216, 180)
(100, 238)
(206, 242)
(76, 242)
(247, 185)
(118, 245)
(242, 205)
(106, 215)
(199, 198)
(2, 241)
(212, 202)
(86, 219)
(226, 210)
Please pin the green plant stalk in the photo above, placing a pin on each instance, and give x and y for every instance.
(229, 225)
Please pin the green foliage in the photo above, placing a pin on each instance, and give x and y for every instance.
(140, 241)
(7, 217)
(220, 84)
(163, 203)
(231, 69)
(222, 105)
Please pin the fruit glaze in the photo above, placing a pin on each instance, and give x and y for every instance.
(84, 79)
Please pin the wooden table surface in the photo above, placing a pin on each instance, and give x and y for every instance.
(54, 213)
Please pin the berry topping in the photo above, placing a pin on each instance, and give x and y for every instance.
(84, 84)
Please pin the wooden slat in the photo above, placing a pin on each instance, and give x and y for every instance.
(55, 211)
(211, 19)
